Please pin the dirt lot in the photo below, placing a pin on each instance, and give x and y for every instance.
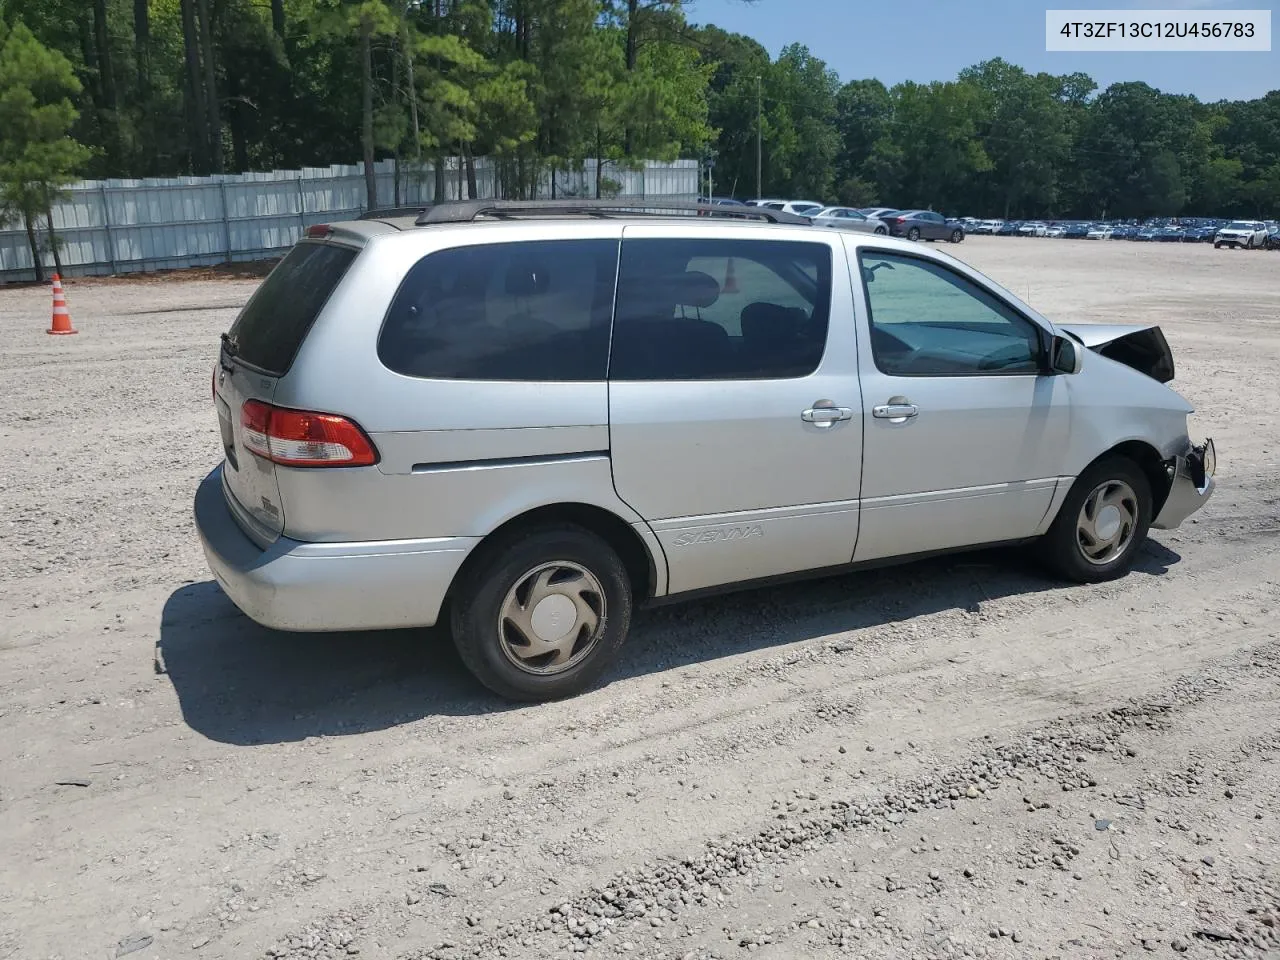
(955, 758)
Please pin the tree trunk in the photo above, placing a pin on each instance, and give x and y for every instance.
(236, 124)
(142, 47)
(211, 85)
(35, 247)
(407, 47)
(277, 17)
(107, 84)
(472, 192)
(198, 132)
(553, 179)
(102, 44)
(632, 54)
(439, 171)
(366, 110)
(53, 241)
(395, 179)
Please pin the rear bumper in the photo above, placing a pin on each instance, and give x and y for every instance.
(1191, 489)
(320, 587)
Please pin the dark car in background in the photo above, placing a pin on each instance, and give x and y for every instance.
(923, 225)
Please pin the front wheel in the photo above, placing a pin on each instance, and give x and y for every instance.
(1216, 245)
(1102, 523)
(1248, 244)
(913, 234)
(957, 236)
(541, 616)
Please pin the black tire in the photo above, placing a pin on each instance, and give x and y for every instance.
(957, 236)
(1216, 245)
(1060, 548)
(913, 234)
(1248, 244)
(479, 596)
(881, 231)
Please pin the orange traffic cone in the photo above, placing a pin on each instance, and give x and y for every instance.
(730, 280)
(61, 315)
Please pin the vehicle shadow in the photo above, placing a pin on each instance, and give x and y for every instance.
(240, 683)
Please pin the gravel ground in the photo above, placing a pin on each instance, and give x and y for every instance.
(953, 758)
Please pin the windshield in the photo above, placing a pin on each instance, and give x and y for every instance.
(1242, 225)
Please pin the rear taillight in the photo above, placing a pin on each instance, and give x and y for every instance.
(319, 231)
(299, 438)
(899, 219)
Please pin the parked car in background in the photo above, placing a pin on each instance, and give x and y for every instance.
(1241, 233)
(923, 225)
(1124, 231)
(1075, 231)
(847, 218)
(987, 227)
(880, 213)
(534, 424)
(1057, 230)
(1273, 238)
(1009, 228)
(1100, 231)
(1033, 228)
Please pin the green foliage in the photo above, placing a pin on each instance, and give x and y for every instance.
(37, 154)
(549, 84)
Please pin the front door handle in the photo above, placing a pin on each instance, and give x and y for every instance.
(824, 413)
(895, 411)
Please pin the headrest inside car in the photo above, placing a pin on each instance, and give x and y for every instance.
(696, 289)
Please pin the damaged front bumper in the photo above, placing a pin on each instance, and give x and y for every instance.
(1191, 485)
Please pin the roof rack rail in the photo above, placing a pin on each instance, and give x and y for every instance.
(385, 212)
(464, 211)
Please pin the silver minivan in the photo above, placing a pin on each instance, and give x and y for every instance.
(526, 419)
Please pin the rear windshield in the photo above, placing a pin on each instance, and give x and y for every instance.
(276, 319)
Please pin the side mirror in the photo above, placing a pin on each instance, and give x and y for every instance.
(1065, 355)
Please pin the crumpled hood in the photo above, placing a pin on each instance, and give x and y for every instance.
(1141, 346)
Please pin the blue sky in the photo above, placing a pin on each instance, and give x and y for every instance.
(925, 40)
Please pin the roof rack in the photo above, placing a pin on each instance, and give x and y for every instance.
(386, 212)
(465, 211)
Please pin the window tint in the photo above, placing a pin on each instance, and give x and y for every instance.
(275, 321)
(928, 321)
(505, 311)
(720, 309)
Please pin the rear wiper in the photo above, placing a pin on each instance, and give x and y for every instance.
(230, 344)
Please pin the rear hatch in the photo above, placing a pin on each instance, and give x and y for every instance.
(256, 352)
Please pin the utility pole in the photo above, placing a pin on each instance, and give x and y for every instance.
(759, 137)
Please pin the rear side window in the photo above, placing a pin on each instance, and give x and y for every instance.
(275, 321)
(720, 309)
(538, 311)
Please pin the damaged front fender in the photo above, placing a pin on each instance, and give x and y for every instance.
(1140, 346)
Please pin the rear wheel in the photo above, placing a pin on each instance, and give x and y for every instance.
(881, 230)
(1101, 524)
(913, 234)
(539, 617)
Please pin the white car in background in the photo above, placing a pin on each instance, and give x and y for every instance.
(1055, 232)
(1100, 232)
(1241, 233)
(987, 226)
(847, 218)
(1033, 229)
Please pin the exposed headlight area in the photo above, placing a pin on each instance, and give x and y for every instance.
(1202, 462)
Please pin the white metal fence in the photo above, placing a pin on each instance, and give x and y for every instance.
(122, 226)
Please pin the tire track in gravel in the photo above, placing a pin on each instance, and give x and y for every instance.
(671, 889)
(933, 732)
